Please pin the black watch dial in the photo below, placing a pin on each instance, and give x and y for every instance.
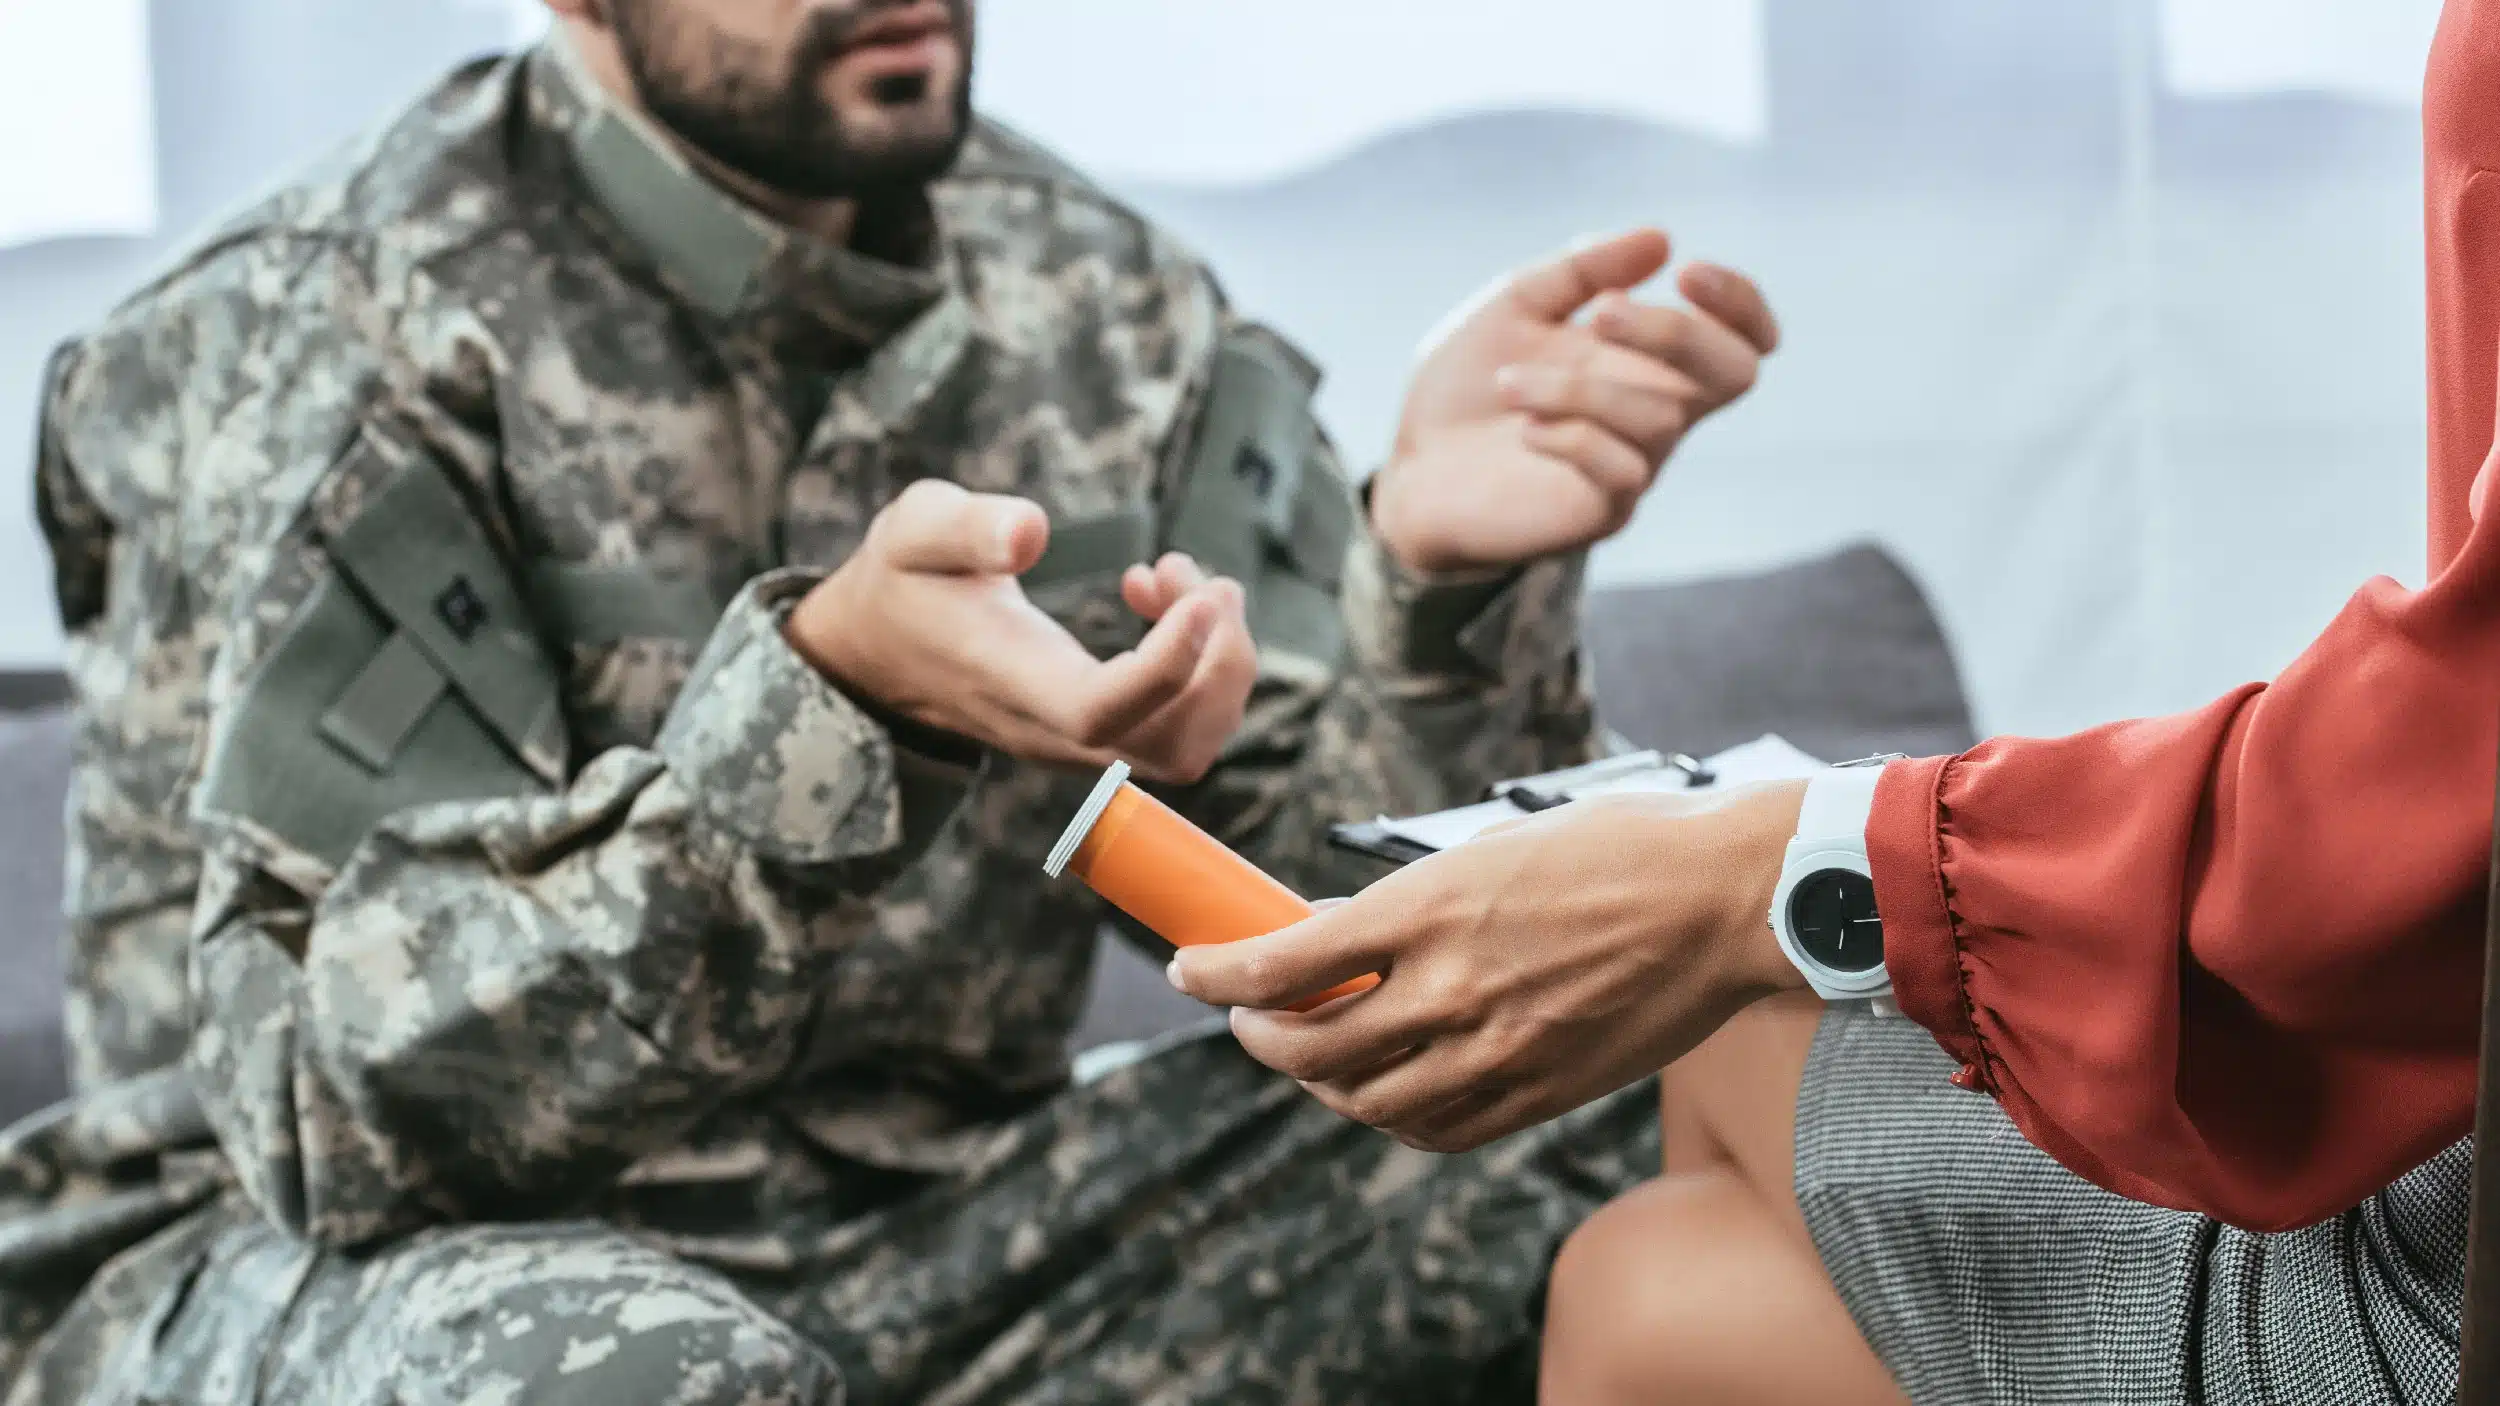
(1831, 913)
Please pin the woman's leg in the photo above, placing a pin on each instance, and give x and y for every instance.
(1703, 1286)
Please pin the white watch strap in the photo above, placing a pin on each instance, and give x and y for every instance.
(1838, 802)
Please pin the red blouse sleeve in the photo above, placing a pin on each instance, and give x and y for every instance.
(2228, 961)
(2231, 961)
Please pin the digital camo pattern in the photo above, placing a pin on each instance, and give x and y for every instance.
(723, 969)
(1190, 1229)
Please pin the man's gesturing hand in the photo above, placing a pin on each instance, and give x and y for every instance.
(1531, 430)
(927, 621)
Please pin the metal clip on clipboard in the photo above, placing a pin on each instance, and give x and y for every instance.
(1539, 793)
(1528, 795)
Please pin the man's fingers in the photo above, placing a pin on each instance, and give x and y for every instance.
(1151, 588)
(1183, 739)
(1617, 470)
(1028, 665)
(1273, 972)
(1734, 300)
(1552, 292)
(1179, 574)
(1210, 711)
(1641, 401)
(936, 526)
(1089, 708)
(1118, 695)
(1715, 356)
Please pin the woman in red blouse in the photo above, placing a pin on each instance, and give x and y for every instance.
(2225, 963)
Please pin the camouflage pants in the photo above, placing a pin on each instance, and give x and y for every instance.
(1188, 1229)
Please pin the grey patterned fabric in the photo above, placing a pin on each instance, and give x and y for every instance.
(34, 778)
(1983, 1271)
(1190, 1228)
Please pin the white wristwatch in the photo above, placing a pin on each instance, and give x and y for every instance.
(1824, 909)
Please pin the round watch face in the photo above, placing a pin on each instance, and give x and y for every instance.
(1831, 914)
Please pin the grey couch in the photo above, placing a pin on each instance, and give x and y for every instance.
(34, 782)
(1841, 655)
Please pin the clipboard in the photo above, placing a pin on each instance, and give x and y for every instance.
(1528, 795)
(1378, 841)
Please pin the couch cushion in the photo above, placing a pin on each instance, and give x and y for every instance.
(1841, 655)
(34, 783)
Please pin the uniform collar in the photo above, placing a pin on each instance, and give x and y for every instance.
(720, 256)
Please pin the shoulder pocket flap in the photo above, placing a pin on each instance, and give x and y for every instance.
(591, 604)
(384, 703)
(1255, 437)
(330, 735)
(1298, 617)
(417, 552)
(1323, 527)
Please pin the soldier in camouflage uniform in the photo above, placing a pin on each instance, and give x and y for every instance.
(576, 678)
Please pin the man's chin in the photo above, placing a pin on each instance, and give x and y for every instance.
(916, 148)
(858, 169)
(834, 152)
(903, 164)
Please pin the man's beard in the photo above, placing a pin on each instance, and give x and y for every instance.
(774, 127)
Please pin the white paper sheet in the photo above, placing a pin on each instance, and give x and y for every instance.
(1229, 94)
(1766, 758)
(1449, 829)
(2368, 49)
(75, 101)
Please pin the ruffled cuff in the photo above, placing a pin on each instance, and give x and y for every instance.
(1922, 944)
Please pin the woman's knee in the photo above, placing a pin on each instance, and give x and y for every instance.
(1692, 1289)
(1623, 1317)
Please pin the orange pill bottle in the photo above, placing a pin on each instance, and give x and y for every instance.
(1149, 862)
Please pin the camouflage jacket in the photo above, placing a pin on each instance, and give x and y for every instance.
(450, 813)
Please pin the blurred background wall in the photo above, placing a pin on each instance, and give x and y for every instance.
(2104, 315)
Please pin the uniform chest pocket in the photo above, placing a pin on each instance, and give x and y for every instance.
(411, 674)
(1077, 581)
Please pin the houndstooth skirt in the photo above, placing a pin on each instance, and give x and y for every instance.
(1983, 1272)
